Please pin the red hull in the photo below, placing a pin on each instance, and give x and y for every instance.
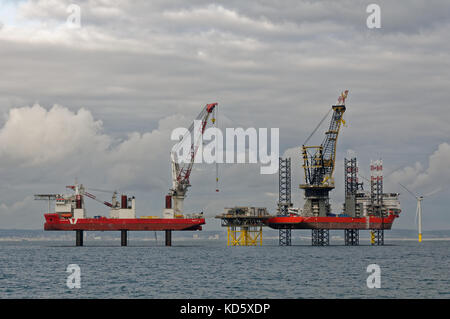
(54, 222)
(299, 222)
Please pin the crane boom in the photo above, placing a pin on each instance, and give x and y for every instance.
(319, 163)
(79, 190)
(181, 170)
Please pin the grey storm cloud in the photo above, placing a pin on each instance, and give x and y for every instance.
(99, 102)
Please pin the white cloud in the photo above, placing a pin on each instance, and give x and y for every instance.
(435, 176)
(34, 136)
(58, 145)
(217, 15)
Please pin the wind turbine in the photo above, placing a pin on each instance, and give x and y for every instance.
(419, 199)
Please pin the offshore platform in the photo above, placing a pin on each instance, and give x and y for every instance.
(70, 210)
(374, 210)
(244, 225)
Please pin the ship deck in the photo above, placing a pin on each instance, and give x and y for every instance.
(54, 222)
(303, 222)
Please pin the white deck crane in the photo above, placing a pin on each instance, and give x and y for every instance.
(80, 190)
(118, 209)
(181, 168)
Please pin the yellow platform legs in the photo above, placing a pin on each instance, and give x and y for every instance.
(377, 237)
(244, 236)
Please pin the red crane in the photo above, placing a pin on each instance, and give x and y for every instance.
(181, 170)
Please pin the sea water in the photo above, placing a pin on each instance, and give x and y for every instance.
(202, 268)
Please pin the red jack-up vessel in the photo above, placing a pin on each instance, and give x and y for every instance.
(70, 213)
(374, 210)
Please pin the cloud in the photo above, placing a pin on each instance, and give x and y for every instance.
(57, 145)
(435, 176)
(32, 135)
(220, 17)
(16, 215)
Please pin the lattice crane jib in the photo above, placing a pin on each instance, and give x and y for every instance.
(319, 161)
(182, 167)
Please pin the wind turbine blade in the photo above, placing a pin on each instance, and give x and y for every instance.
(433, 192)
(414, 195)
(440, 189)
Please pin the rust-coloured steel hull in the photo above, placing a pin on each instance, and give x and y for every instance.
(301, 222)
(54, 222)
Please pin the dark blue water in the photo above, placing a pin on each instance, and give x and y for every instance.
(210, 269)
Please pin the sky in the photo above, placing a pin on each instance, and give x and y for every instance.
(98, 103)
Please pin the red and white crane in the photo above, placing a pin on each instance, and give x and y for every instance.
(181, 168)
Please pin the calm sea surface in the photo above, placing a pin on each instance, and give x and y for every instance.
(210, 269)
